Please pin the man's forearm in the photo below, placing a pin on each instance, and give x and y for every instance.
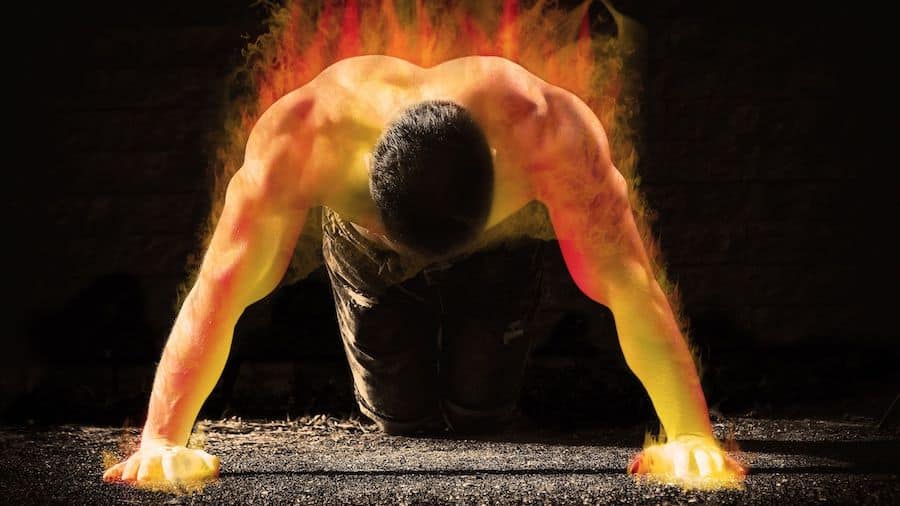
(191, 363)
(658, 354)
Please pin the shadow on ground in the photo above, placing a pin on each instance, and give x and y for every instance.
(325, 460)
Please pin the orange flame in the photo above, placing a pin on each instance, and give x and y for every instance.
(553, 44)
(306, 36)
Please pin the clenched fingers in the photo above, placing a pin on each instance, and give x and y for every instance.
(212, 462)
(185, 465)
(703, 462)
(114, 473)
(132, 465)
(150, 470)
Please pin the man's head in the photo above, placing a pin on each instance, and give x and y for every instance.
(432, 178)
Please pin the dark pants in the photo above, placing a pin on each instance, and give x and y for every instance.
(445, 347)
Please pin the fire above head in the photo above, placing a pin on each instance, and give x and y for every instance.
(555, 44)
(306, 37)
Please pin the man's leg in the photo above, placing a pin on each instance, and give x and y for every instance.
(389, 333)
(488, 303)
(391, 346)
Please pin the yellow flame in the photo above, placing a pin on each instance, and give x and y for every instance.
(690, 463)
(129, 444)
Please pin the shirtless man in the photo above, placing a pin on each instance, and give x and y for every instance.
(421, 162)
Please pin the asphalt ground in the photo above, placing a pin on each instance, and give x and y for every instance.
(323, 460)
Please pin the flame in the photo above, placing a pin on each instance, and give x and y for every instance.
(303, 40)
(692, 463)
(557, 45)
(305, 37)
(129, 444)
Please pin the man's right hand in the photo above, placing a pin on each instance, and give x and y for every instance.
(165, 466)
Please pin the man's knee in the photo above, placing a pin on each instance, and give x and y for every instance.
(470, 421)
(418, 428)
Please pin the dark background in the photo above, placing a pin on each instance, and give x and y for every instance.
(765, 154)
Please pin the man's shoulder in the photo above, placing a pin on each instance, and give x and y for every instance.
(380, 64)
(467, 73)
(491, 76)
(475, 81)
(479, 67)
(349, 73)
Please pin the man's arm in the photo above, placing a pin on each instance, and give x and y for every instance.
(248, 254)
(588, 203)
(251, 247)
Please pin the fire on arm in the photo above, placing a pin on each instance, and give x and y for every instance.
(589, 207)
(249, 252)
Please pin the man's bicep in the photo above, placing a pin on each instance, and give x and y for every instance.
(265, 204)
(598, 237)
(253, 241)
(587, 199)
(278, 159)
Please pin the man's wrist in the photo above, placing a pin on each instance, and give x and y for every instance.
(684, 437)
(692, 435)
(151, 440)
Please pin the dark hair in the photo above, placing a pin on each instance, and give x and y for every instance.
(432, 178)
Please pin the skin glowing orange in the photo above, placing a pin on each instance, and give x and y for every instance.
(600, 222)
(555, 45)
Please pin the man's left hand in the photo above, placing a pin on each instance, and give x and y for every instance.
(692, 461)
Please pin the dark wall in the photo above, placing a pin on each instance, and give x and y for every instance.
(115, 108)
(766, 128)
(120, 106)
(761, 157)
